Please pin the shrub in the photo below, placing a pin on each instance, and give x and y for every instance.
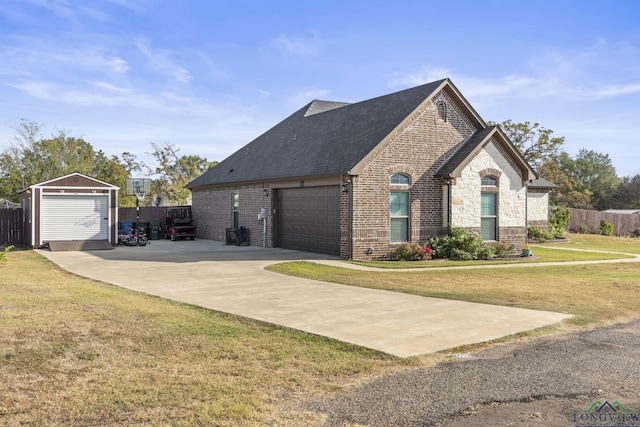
(411, 252)
(502, 250)
(460, 244)
(606, 228)
(559, 221)
(3, 254)
(583, 229)
(538, 234)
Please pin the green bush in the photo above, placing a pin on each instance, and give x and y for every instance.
(502, 250)
(606, 228)
(460, 244)
(583, 229)
(538, 234)
(3, 254)
(559, 221)
(411, 252)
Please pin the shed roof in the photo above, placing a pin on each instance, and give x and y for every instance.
(623, 211)
(76, 178)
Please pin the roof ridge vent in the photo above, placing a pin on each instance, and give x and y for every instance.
(317, 106)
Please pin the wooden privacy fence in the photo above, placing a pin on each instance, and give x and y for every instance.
(11, 227)
(583, 220)
(147, 213)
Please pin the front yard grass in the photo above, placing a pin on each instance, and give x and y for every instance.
(604, 243)
(74, 351)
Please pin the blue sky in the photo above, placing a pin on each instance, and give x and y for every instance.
(210, 76)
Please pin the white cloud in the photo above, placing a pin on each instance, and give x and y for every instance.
(160, 60)
(600, 71)
(296, 46)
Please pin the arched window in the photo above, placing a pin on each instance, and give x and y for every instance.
(399, 207)
(489, 208)
(489, 180)
(400, 178)
(442, 111)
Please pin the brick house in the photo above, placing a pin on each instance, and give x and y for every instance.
(355, 180)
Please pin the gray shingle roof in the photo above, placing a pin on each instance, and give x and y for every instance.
(464, 152)
(542, 183)
(471, 146)
(322, 138)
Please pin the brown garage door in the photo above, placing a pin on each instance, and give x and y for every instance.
(309, 219)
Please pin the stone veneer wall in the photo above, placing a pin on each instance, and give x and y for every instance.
(538, 208)
(512, 194)
(417, 150)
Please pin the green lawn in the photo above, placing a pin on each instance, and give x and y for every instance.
(604, 243)
(79, 352)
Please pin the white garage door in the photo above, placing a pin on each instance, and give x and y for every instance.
(74, 217)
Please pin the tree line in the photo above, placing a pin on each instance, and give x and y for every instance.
(586, 181)
(31, 158)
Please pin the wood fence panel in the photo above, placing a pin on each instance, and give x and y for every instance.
(624, 224)
(11, 227)
(147, 213)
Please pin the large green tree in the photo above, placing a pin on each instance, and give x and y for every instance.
(536, 143)
(596, 173)
(627, 195)
(30, 159)
(173, 172)
(570, 192)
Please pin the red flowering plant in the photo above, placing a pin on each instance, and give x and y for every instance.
(411, 252)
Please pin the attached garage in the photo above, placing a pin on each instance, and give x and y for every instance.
(308, 219)
(74, 208)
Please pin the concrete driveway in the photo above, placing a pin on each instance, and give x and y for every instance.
(232, 279)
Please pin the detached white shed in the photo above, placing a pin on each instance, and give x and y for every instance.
(71, 208)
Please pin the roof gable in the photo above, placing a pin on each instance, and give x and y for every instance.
(453, 167)
(74, 179)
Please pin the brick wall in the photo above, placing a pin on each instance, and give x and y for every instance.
(213, 212)
(417, 150)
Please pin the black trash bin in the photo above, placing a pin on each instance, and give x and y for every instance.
(231, 236)
(155, 226)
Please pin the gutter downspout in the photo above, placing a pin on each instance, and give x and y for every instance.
(526, 211)
(447, 182)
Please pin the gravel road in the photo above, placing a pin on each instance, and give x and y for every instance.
(545, 382)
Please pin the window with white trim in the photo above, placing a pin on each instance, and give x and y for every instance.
(489, 208)
(399, 207)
